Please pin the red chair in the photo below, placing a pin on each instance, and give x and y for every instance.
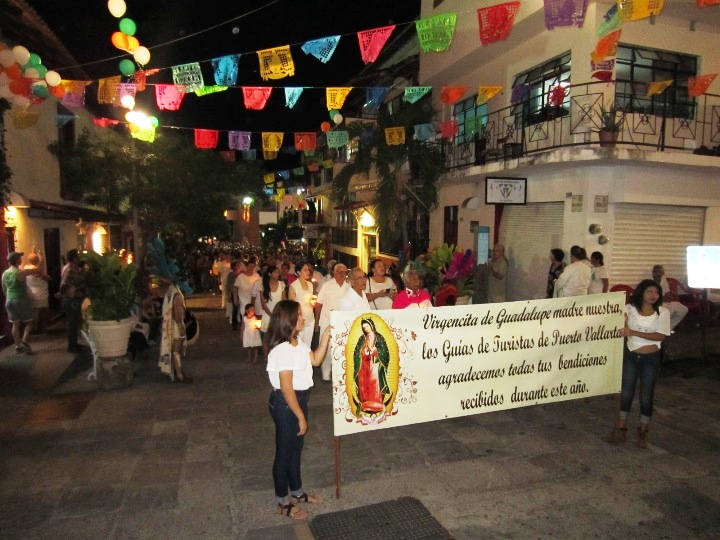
(627, 289)
(690, 298)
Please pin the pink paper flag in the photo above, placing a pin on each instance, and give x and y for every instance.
(372, 42)
(168, 97)
(256, 96)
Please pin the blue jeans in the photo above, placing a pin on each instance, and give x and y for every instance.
(645, 367)
(288, 445)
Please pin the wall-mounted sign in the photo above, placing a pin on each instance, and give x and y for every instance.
(499, 190)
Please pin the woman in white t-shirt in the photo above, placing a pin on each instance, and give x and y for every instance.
(290, 370)
(599, 282)
(302, 290)
(380, 288)
(647, 324)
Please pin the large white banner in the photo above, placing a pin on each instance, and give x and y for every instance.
(399, 367)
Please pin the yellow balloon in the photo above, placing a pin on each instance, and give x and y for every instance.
(142, 55)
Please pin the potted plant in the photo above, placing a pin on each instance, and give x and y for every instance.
(611, 124)
(110, 288)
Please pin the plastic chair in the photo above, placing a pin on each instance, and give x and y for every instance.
(627, 289)
(690, 298)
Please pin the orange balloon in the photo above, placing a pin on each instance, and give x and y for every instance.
(133, 43)
(14, 72)
(58, 91)
(19, 88)
(325, 126)
(120, 41)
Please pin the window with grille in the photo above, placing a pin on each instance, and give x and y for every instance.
(464, 110)
(547, 96)
(638, 66)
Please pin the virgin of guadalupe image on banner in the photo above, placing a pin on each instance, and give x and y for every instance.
(372, 369)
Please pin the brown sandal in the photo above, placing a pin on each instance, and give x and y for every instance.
(305, 498)
(292, 511)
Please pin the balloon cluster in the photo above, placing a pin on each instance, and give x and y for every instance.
(125, 39)
(23, 77)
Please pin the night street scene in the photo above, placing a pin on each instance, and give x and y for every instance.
(281, 269)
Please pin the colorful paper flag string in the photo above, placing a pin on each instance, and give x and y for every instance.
(239, 140)
(496, 21)
(292, 95)
(168, 97)
(372, 42)
(336, 97)
(256, 97)
(189, 76)
(225, 69)
(565, 13)
(436, 33)
(414, 93)
(322, 49)
(206, 139)
(276, 63)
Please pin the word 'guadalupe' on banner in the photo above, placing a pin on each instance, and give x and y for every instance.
(398, 367)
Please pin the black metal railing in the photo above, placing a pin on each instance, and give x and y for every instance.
(514, 131)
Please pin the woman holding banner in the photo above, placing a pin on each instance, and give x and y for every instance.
(290, 370)
(647, 324)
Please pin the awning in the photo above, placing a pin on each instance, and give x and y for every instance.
(65, 211)
(18, 200)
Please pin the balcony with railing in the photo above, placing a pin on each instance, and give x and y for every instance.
(524, 130)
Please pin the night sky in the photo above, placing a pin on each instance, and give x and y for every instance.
(164, 26)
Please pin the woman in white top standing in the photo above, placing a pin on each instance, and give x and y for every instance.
(380, 289)
(302, 290)
(599, 282)
(273, 290)
(647, 324)
(290, 370)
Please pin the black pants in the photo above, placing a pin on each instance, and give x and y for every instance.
(234, 320)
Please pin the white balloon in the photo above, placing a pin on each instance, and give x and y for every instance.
(338, 118)
(5, 91)
(20, 102)
(7, 58)
(117, 8)
(128, 102)
(31, 73)
(22, 55)
(52, 78)
(142, 55)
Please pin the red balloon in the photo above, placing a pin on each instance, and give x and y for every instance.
(325, 126)
(14, 71)
(19, 87)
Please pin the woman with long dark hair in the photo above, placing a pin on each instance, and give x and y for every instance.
(273, 290)
(556, 268)
(647, 324)
(290, 369)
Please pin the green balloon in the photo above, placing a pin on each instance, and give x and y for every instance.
(35, 60)
(128, 27)
(40, 90)
(333, 113)
(127, 67)
(42, 71)
(154, 122)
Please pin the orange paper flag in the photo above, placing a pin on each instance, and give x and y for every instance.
(450, 94)
(697, 86)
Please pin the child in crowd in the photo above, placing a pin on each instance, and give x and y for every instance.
(251, 339)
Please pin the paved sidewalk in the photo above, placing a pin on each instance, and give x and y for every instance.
(160, 460)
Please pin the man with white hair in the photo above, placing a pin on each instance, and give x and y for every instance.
(327, 301)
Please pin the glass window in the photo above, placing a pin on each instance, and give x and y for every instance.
(637, 66)
(546, 98)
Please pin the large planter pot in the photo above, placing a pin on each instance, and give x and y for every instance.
(608, 138)
(110, 337)
(114, 373)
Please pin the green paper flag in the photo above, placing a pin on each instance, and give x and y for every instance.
(436, 33)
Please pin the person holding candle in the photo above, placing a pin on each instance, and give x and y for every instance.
(251, 339)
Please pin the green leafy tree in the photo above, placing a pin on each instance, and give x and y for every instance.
(168, 185)
(407, 174)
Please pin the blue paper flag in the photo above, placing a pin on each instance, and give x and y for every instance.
(322, 49)
(225, 69)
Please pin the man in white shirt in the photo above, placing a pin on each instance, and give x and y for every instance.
(327, 301)
(355, 299)
(670, 299)
(576, 278)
